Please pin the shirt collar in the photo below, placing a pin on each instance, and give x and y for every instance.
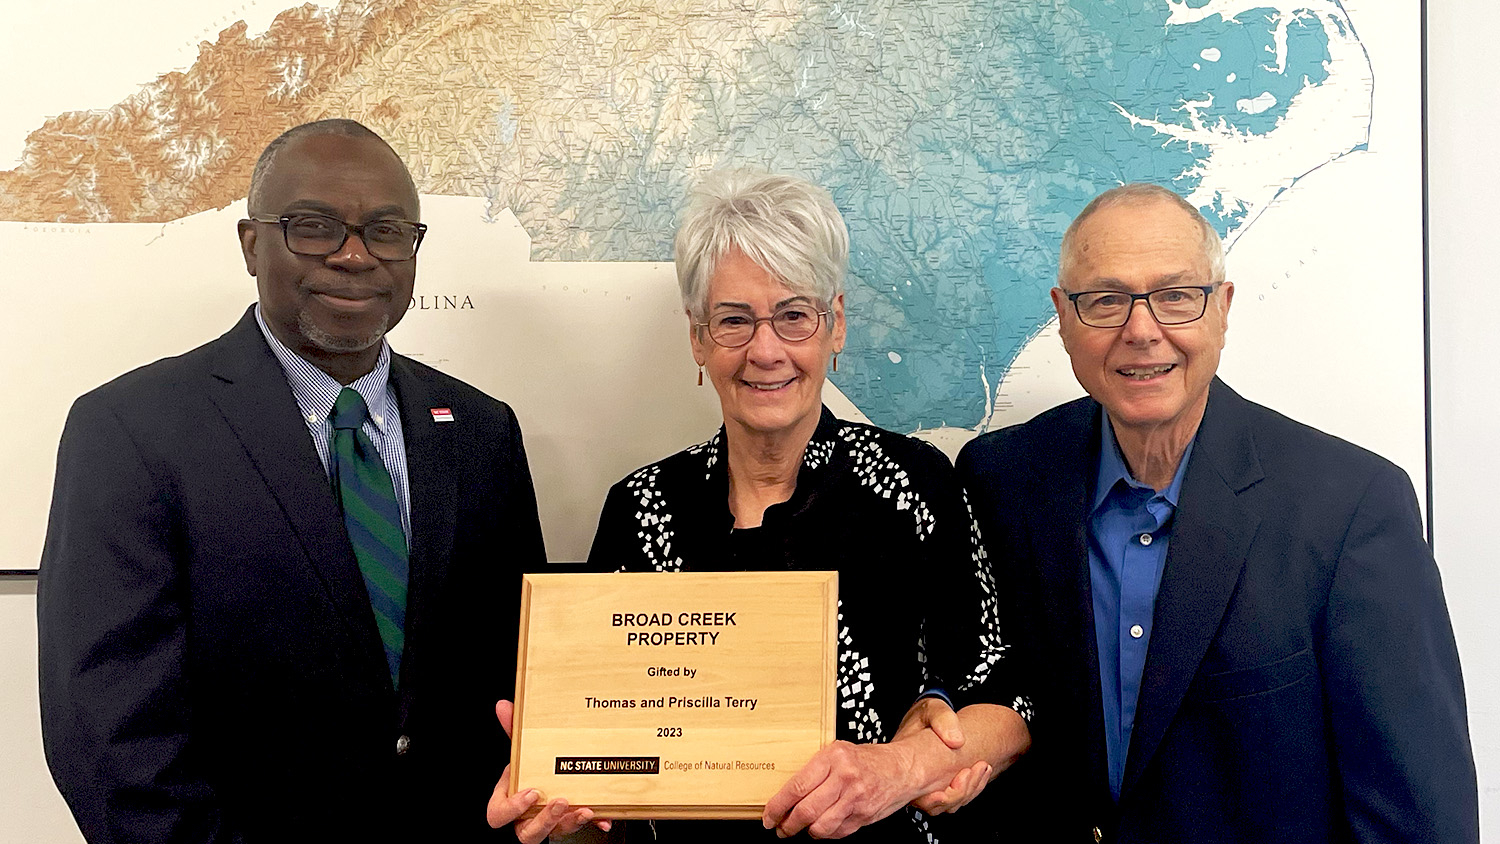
(812, 474)
(1112, 467)
(316, 390)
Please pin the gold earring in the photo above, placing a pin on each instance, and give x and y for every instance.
(700, 374)
(835, 361)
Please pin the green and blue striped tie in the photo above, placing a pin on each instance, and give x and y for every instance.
(373, 519)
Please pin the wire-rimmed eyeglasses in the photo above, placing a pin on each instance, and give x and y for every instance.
(1167, 305)
(318, 235)
(793, 323)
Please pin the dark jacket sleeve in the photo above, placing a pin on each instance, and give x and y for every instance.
(112, 630)
(610, 551)
(967, 651)
(522, 507)
(1391, 674)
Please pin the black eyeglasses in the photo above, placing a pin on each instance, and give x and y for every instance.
(1168, 305)
(793, 323)
(318, 235)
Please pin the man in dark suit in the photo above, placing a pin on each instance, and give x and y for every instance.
(1235, 630)
(278, 594)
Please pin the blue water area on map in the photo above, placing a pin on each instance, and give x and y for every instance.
(959, 139)
(1247, 68)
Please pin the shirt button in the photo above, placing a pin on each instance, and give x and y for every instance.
(402, 744)
(1145, 539)
(1136, 632)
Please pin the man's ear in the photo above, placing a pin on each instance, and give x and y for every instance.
(247, 244)
(1060, 304)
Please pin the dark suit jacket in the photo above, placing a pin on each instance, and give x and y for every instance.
(1301, 684)
(210, 667)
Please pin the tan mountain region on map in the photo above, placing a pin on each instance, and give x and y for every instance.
(481, 99)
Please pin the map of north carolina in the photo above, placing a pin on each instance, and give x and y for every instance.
(958, 138)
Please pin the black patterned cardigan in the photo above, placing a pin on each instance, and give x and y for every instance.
(917, 602)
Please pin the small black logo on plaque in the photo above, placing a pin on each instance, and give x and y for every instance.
(608, 765)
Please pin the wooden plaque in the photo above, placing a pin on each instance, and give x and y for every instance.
(676, 695)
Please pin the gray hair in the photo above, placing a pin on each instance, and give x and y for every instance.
(788, 226)
(333, 126)
(1135, 194)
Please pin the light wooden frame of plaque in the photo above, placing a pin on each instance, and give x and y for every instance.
(617, 723)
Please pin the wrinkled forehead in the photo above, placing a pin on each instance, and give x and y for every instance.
(1139, 242)
(339, 172)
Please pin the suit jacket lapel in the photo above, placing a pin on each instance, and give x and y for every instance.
(430, 464)
(1211, 537)
(250, 389)
(1065, 479)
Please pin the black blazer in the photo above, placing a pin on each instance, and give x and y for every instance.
(1302, 682)
(210, 667)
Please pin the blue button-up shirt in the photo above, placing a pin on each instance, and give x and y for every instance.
(1129, 531)
(316, 390)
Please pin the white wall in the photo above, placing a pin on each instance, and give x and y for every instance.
(31, 810)
(1464, 188)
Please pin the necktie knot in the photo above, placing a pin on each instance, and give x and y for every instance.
(349, 410)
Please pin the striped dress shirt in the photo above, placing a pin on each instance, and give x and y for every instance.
(316, 390)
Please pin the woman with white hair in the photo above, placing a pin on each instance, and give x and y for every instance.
(785, 485)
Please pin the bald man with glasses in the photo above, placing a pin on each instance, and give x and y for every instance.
(1233, 626)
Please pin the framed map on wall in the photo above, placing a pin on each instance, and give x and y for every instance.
(553, 143)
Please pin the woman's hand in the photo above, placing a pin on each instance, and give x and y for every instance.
(938, 761)
(842, 788)
(556, 818)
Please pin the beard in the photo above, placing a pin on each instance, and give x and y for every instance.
(341, 343)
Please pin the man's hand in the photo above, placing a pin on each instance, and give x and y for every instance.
(935, 714)
(556, 818)
(932, 713)
(964, 788)
(842, 788)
